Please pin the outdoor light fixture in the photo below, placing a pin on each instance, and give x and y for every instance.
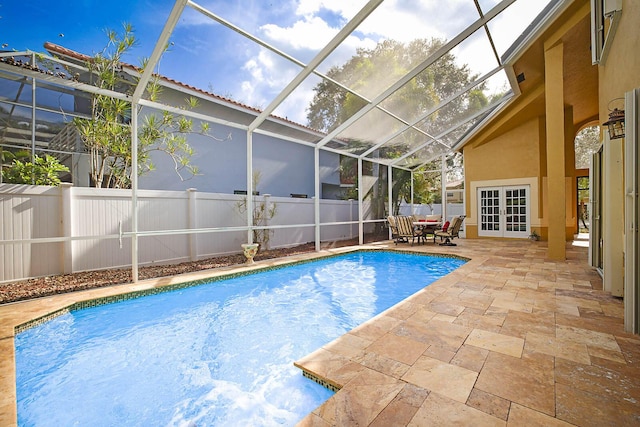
(615, 124)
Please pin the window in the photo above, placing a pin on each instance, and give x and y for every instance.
(605, 16)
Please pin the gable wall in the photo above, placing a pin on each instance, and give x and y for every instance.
(285, 167)
(512, 158)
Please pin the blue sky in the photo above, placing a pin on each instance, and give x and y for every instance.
(212, 57)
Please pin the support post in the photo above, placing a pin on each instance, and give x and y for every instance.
(33, 117)
(250, 186)
(390, 198)
(192, 195)
(555, 117)
(67, 226)
(316, 199)
(412, 212)
(360, 209)
(443, 184)
(267, 208)
(134, 192)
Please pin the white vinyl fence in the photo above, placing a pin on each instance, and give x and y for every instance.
(433, 209)
(78, 229)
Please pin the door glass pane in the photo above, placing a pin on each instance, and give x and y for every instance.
(490, 210)
(517, 220)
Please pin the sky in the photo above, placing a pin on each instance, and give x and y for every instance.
(210, 56)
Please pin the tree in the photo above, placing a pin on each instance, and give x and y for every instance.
(42, 171)
(587, 142)
(107, 133)
(384, 65)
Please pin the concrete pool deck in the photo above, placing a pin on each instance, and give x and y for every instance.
(510, 338)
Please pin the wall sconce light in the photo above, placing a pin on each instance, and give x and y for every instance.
(615, 124)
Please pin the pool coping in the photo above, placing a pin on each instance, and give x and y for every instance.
(112, 299)
(18, 316)
(335, 381)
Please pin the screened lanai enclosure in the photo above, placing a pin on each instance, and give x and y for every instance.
(363, 118)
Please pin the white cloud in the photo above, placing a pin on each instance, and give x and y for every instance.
(267, 78)
(254, 69)
(346, 9)
(507, 26)
(394, 19)
(312, 23)
(309, 33)
(294, 107)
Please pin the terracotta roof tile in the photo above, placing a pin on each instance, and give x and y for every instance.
(58, 50)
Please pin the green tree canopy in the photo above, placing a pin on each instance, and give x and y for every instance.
(386, 63)
(586, 143)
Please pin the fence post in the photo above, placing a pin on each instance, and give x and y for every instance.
(267, 207)
(66, 218)
(351, 233)
(192, 222)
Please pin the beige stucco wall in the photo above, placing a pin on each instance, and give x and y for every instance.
(619, 74)
(514, 158)
(514, 154)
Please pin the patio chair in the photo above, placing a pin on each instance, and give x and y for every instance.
(399, 232)
(393, 226)
(406, 230)
(452, 231)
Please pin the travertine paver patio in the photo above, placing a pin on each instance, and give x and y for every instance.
(509, 338)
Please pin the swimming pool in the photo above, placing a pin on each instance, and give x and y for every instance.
(221, 353)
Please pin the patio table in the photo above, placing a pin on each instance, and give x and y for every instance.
(428, 228)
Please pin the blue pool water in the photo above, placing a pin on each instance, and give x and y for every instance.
(221, 353)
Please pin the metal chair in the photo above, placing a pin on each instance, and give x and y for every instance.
(452, 231)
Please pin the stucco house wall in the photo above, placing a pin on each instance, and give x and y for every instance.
(618, 75)
(512, 148)
(518, 157)
(511, 158)
(285, 167)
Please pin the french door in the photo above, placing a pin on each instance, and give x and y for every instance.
(504, 211)
(595, 213)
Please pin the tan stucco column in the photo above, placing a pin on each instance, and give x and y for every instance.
(554, 95)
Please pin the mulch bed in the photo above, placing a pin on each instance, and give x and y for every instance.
(51, 285)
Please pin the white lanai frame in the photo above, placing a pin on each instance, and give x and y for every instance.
(410, 160)
(306, 71)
